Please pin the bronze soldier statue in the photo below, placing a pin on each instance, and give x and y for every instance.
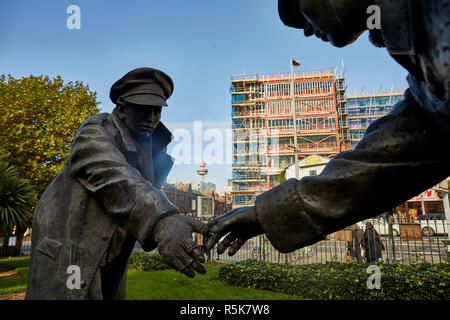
(401, 154)
(108, 196)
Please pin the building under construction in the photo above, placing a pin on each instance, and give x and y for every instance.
(263, 126)
(364, 108)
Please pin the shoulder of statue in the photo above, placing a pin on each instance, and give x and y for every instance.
(94, 121)
(98, 118)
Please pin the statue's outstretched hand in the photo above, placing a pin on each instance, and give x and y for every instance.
(239, 225)
(173, 234)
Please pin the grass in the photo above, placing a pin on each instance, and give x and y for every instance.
(157, 285)
(172, 285)
(21, 266)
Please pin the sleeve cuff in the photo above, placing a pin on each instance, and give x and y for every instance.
(282, 217)
(146, 214)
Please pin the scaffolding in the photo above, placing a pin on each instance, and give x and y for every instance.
(262, 126)
(364, 108)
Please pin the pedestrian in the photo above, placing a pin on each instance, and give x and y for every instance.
(372, 244)
(354, 246)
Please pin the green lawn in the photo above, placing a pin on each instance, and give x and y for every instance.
(157, 285)
(172, 285)
(21, 265)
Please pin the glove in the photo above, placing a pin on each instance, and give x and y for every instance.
(173, 235)
(241, 224)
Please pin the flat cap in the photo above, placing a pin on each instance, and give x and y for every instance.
(143, 86)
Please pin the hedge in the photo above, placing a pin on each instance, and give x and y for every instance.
(346, 281)
(143, 261)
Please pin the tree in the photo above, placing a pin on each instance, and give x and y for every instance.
(283, 176)
(38, 120)
(16, 199)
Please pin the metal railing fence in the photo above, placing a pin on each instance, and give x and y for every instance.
(406, 243)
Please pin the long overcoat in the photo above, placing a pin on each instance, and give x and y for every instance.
(109, 185)
(372, 245)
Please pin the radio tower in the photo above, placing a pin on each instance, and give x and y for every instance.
(202, 172)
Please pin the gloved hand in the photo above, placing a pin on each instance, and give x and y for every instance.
(241, 224)
(173, 234)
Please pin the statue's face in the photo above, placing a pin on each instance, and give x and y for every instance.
(140, 120)
(338, 21)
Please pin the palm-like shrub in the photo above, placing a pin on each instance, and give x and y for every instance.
(16, 198)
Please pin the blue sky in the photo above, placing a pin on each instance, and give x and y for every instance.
(198, 43)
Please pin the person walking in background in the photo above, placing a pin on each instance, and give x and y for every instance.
(372, 244)
(354, 246)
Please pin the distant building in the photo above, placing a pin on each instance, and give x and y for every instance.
(263, 126)
(309, 166)
(197, 198)
(196, 203)
(223, 203)
(230, 185)
(182, 196)
(196, 185)
(203, 186)
(363, 109)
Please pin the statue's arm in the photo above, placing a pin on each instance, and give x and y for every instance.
(98, 164)
(401, 155)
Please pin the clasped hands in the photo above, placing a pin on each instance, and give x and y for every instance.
(173, 235)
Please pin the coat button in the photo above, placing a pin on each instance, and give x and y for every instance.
(105, 236)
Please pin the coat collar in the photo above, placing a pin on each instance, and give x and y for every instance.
(161, 136)
(128, 141)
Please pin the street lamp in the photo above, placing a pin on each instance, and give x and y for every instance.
(296, 64)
